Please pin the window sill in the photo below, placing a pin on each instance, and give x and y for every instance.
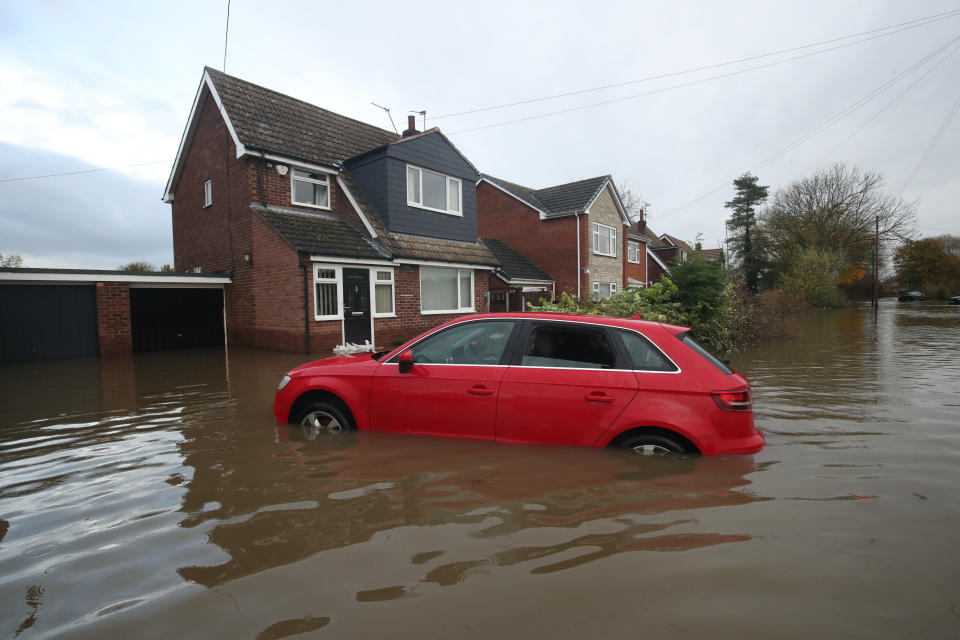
(208, 205)
(437, 313)
(312, 206)
(633, 261)
(458, 214)
(384, 315)
(605, 255)
(327, 318)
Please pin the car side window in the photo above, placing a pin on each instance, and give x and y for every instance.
(469, 343)
(643, 354)
(567, 347)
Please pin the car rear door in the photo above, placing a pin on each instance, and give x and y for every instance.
(565, 384)
(453, 386)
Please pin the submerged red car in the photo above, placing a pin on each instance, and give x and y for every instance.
(534, 378)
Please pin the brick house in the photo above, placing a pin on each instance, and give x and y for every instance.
(334, 231)
(575, 232)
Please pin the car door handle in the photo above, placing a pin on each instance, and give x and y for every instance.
(480, 390)
(599, 396)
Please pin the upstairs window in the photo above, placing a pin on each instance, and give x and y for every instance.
(604, 240)
(310, 189)
(208, 193)
(633, 252)
(434, 191)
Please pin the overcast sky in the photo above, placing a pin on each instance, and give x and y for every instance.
(110, 84)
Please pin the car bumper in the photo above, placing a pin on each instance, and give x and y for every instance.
(749, 444)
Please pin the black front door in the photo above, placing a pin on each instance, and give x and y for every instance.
(356, 305)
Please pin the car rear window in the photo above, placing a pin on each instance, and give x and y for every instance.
(706, 355)
(645, 356)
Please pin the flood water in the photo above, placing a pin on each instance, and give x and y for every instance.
(154, 497)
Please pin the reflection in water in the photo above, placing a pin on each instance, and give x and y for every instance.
(154, 496)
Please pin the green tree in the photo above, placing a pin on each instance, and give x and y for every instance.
(138, 265)
(12, 260)
(742, 244)
(922, 263)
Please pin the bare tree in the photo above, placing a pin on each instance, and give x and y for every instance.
(950, 244)
(835, 209)
(633, 202)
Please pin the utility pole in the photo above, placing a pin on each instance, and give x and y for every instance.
(876, 263)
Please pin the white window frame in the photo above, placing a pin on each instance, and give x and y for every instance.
(325, 182)
(373, 291)
(449, 179)
(461, 308)
(611, 235)
(633, 248)
(596, 289)
(208, 193)
(338, 280)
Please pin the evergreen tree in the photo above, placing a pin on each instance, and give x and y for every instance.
(743, 243)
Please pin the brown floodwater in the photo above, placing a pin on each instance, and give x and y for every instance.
(154, 497)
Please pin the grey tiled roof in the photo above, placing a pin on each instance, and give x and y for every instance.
(556, 200)
(271, 121)
(403, 245)
(319, 233)
(513, 265)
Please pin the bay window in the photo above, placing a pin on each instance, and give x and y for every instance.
(604, 240)
(434, 191)
(446, 290)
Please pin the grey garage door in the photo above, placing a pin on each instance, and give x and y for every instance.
(38, 322)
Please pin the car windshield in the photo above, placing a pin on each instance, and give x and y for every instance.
(706, 355)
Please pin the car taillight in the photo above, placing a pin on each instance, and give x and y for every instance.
(738, 400)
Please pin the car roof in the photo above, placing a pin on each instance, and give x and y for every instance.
(629, 323)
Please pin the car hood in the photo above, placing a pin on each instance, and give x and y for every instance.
(335, 364)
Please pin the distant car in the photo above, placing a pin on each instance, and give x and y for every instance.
(908, 296)
(955, 300)
(534, 378)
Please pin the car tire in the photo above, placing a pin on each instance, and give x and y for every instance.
(322, 417)
(652, 444)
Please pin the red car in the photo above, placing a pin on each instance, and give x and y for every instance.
(534, 378)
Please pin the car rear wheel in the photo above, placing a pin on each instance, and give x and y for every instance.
(322, 417)
(653, 445)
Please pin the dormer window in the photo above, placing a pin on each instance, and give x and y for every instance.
(310, 189)
(434, 191)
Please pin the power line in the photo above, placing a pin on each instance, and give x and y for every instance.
(924, 21)
(670, 88)
(852, 108)
(933, 143)
(886, 106)
(74, 173)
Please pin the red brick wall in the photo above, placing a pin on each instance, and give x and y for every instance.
(633, 270)
(549, 244)
(277, 189)
(113, 318)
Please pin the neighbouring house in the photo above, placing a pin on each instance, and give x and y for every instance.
(516, 281)
(334, 231)
(576, 232)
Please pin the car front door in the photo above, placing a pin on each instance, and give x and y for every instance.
(452, 387)
(566, 385)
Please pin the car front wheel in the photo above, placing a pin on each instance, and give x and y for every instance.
(322, 417)
(653, 445)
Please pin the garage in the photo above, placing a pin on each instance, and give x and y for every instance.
(71, 313)
(176, 318)
(40, 322)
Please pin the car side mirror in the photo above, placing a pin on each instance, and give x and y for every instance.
(405, 361)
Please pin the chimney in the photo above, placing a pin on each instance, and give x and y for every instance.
(411, 126)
